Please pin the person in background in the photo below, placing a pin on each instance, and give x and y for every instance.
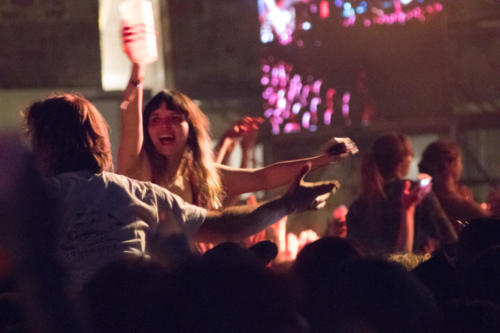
(337, 227)
(443, 161)
(393, 214)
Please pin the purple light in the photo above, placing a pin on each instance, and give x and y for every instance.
(327, 117)
(398, 16)
(346, 98)
(345, 104)
(317, 86)
(314, 104)
(306, 117)
(288, 97)
(291, 128)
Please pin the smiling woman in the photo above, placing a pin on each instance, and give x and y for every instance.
(169, 144)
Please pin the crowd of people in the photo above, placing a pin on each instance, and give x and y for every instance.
(85, 249)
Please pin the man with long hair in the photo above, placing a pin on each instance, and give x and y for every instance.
(106, 215)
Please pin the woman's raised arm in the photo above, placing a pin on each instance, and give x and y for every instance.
(131, 135)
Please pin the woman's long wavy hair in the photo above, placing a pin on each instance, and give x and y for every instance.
(381, 164)
(440, 160)
(198, 156)
(68, 134)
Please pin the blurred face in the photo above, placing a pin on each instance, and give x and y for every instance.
(404, 167)
(168, 131)
(457, 168)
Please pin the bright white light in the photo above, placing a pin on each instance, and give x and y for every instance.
(266, 36)
(306, 25)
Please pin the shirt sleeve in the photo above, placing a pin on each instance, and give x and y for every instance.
(191, 217)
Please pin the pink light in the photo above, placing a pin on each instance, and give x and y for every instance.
(287, 98)
(268, 113)
(345, 104)
(291, 128)
(350, 21)
(281, 103)
(346, 98)
(272, 99)
(397, 6)
(313, 8)
(314, 104)
(317, 86)
(327, 117)
(306, 118)
(324, 9)
(398, 16)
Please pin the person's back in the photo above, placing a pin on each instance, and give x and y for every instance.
(393, 214)
(106, 216)
(443, 161)
(375, 229)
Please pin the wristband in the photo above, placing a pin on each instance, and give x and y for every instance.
(135, 83)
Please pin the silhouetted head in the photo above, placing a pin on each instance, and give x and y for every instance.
(372, 295)
(479, 235)
(131, 295)
(482, 276)
(68, 134)
(389, 158)
(442, 159)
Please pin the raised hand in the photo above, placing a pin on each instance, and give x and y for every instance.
(302, 195)
(340, 147)
(244, 127)
(412, 197)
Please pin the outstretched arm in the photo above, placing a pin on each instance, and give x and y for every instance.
(237, 181)
(239, 222)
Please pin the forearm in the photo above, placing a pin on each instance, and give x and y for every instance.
(281, 173)
(235, 223)
(224, 149)
(406, 233)
(238, 181)
(131, 135)
(246, 158)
